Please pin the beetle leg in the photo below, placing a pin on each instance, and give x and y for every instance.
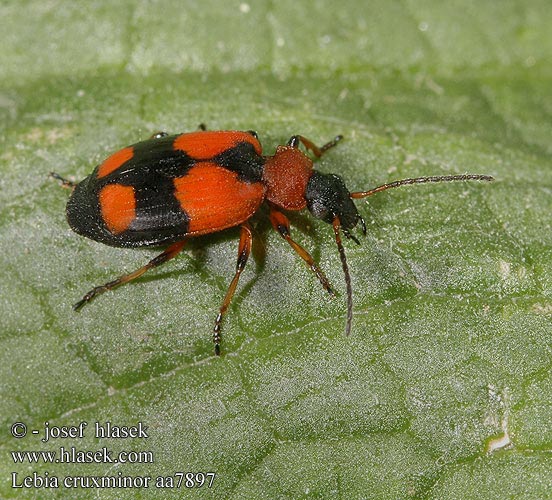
(244, 249)
(316, 151)
(159, 135)
(171, 252)
(66, 183)
(281, 224)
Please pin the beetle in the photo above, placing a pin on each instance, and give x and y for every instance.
(166, 189)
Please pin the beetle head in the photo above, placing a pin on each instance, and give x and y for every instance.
(329, 199)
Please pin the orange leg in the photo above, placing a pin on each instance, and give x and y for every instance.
(281, 224)
(244, 250)
(171, 252)
(316, 151)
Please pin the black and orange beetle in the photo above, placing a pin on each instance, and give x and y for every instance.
(169, 188)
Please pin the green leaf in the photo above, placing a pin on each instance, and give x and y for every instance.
(443, 388)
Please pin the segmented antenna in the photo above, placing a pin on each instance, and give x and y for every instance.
(421, 180)
(336, 226)
(363, 194)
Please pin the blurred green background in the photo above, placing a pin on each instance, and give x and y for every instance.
(443, 388)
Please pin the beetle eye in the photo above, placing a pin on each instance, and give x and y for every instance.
(318, 209)
(253, 133)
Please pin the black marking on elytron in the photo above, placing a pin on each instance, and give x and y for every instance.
(159, 217)
(244, 160)
(152, 159)
(157, 209)
(83, 212)
(151, 172)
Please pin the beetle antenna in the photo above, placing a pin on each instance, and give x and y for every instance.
(421, 180)
(336, 226)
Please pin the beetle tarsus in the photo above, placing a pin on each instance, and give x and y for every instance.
(66, 183)
(217, 339)
(244, 249)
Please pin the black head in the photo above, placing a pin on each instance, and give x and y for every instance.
(329, 199)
